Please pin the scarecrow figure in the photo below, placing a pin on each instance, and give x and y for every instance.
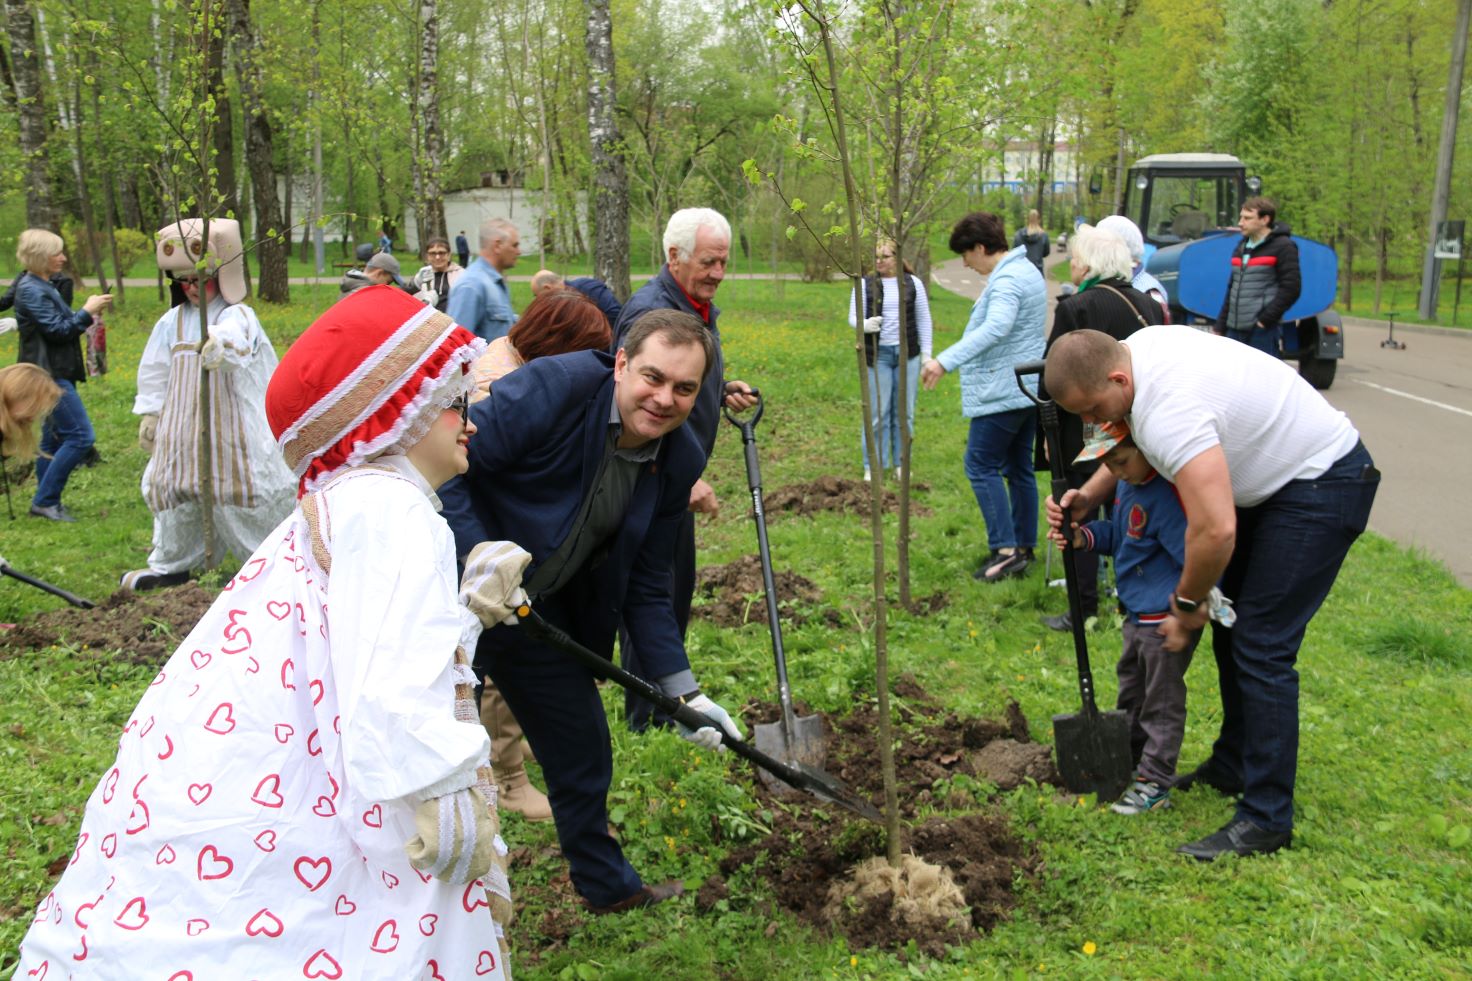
(252, 487)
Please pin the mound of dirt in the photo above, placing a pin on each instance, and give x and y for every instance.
(143, 627)
(829, 493)
(733, 594)
(941, 760)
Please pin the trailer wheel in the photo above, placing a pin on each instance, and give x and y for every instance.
(1318, 372)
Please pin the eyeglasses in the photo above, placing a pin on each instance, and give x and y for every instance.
(437, 252)
(187, 280)
(462, 406)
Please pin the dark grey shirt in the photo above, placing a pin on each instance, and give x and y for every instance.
(601, 512)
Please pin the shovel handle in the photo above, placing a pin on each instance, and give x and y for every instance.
(1052, 438)
(41, 584)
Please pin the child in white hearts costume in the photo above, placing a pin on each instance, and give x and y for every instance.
(253, 490)
(303, 790)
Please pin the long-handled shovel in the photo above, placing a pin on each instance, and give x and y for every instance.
(1093, 747)
(800, 775)
(796, 739)
(72, 598)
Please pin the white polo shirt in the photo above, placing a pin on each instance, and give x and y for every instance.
(1195, 390)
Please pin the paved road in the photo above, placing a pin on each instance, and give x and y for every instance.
(1414, 409)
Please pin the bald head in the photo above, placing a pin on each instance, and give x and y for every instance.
(1088, 373)
(546, 281)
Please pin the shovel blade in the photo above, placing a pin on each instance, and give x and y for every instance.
(1093, 751)
(807, 747)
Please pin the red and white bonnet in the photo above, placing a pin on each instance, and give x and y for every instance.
(372, 374)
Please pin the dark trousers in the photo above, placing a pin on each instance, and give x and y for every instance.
(638, 712)
(556, 700)
(464, 258)
(1289, 549)
(1152, 692)
(66, 436)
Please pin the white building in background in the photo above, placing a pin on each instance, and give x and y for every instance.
(468, 207)
(1017, 168)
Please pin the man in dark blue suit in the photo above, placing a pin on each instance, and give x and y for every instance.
(697, 245)
(584, 461)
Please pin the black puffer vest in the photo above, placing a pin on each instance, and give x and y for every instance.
(874, 307)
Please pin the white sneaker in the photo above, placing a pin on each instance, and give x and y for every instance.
(899, 473)
(868, 475)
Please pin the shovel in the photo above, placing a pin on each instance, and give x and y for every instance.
(1092, 747)
(825, 786)
(796, 739)
(72, 598)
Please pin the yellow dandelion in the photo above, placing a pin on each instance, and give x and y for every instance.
(1090, 947)
(682, 802)
(853, 961)
(1022, 677)
(670, 842)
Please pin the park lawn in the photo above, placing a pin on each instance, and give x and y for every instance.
(1379, 883)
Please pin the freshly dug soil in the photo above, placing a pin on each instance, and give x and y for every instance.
(734, 595)
(144, 628)
(941, 760)
(829, 493)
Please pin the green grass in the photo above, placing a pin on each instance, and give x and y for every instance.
(1379, 883)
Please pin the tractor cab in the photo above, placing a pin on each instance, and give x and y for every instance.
(1181, 197)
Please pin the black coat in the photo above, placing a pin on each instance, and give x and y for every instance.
(50, 332)
(1114, 307)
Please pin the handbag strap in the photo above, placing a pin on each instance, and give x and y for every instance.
(1133, 309)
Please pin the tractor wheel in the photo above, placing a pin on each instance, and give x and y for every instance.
(1318, 372)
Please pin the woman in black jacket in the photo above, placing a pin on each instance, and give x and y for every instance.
(50, 336)
(1101, 267)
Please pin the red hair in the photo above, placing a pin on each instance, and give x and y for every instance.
(560, 322)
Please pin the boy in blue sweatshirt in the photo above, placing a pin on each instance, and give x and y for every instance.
(1147, 537)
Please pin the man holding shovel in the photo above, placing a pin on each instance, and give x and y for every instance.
(584, 461)
(1276, 486)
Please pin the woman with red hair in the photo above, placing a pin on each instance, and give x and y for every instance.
(558, 322)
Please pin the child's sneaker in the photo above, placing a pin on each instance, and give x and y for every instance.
(1142, 797)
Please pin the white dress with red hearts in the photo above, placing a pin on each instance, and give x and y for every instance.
(253, 824)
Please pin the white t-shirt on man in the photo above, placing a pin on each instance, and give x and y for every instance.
(1195, 390)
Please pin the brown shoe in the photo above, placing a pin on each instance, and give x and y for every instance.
(647, 896)
(518, 794)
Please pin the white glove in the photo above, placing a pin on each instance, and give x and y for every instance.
(491, 585)
(212, 355)
(7, 324)
(1221, 608)
(709, 737)
(147, 432)
(871, 324)
(428, 297)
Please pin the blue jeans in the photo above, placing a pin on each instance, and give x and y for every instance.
(884, 377)
(65, 439)
(1000, 446)
(1289, 549)
(1265, 341)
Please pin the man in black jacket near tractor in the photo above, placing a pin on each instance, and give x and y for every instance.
(1265, 278)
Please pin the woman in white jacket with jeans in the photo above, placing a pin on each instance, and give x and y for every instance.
(1005, 329)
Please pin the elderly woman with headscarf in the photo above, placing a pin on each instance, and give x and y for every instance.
(1101, 267)
(50, 336)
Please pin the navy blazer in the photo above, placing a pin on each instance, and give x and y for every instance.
(663, 293)
(541, 434)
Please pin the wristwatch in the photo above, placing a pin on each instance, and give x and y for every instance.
(1183, 604)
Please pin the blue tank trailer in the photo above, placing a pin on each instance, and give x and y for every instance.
(1186, 205)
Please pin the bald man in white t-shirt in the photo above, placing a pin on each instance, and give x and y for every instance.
(1276, 486)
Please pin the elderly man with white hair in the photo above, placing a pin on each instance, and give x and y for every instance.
(1100, 266)
(481, 300)
(1129, 233)
(697, 246)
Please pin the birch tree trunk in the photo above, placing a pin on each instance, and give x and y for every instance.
(431, 206)
(271, 242)
(26, 69)
(610, 180)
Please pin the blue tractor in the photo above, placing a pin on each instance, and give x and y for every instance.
(1186, 205)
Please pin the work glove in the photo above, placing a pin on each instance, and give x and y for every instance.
(147, 431)
(708, 737)
(491, 585)
(1220, 607)
(7, 324)
(871, 324)
(212, 355)
(456, 836)
(428, 297)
